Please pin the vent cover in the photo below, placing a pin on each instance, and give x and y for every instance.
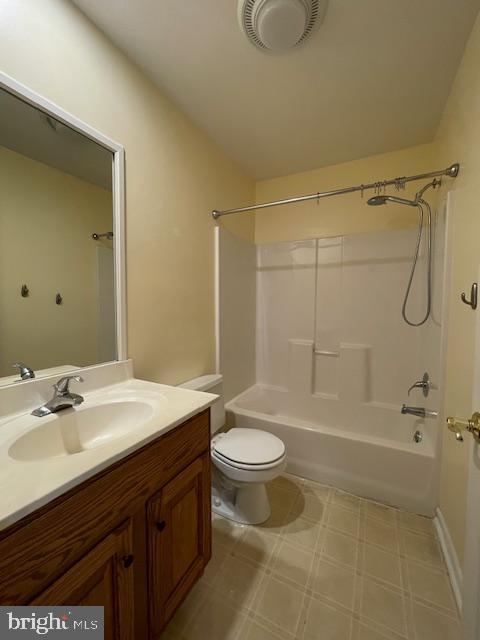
(279, 25)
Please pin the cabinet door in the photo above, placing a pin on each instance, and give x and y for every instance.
(103, 577)
(179, 539)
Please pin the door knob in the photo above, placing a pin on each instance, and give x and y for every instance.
(472, 426)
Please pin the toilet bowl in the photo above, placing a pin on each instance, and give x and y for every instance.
(243, 460)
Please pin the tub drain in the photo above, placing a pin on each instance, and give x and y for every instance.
(417, 436)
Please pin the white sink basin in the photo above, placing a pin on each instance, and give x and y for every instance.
(73, 431)
(43, 457)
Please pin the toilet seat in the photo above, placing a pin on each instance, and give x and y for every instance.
(247, 467)
(249, 449)
(243, 462)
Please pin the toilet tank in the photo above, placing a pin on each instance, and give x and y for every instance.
(212, 383)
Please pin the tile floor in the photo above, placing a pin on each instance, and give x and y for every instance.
(326, 566)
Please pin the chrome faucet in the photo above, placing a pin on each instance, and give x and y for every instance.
(25, 372)
(420, 412)
(62, 398)
(424, 384)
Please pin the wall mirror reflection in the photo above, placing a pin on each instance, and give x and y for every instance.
(57, 280)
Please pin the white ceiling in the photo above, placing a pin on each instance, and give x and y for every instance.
(26, 130)
(373, 78)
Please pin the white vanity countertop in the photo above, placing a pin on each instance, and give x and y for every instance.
(28, 482)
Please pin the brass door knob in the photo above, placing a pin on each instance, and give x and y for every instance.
(472, 426)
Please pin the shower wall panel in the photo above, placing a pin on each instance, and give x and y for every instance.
(236, 282)
(286, 275)
(329, 318)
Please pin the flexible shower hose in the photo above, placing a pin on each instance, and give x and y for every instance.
(420, 204)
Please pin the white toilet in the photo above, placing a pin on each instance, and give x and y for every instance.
(243, 461)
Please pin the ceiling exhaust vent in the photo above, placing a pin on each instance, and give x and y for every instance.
(279, 25)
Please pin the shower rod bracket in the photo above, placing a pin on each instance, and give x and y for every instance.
(451, 172)
(98, 236)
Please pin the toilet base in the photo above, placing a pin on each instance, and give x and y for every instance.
(247, 504)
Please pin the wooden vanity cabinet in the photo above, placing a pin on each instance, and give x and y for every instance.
(134, 538)
(178, 539)
(103, 577)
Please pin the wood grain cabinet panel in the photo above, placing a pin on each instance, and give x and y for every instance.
(179, 535)
(104, 577)
(133, 538)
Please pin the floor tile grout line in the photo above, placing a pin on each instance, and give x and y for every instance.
(428, 604)
(331, 497)
(389, 630)
(405, 600)
(357, 580)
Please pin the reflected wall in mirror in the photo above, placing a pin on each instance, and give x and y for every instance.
(56, 242)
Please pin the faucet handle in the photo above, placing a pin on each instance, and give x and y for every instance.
(63, 385)
(26, 373)
(423, 384)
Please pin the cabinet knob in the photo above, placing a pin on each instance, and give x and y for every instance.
(161, 525)
(127, 561)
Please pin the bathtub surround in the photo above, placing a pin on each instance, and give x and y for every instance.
(334, 361)
(344, 299)
(235, 277)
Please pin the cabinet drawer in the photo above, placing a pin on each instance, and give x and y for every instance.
(37, 550)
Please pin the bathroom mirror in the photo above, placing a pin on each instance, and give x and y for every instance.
(61, 260)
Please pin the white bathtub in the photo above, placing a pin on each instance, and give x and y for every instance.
(377, 459)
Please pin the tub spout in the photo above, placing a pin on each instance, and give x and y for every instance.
(420, 412)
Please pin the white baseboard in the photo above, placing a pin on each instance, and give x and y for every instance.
(451, 559)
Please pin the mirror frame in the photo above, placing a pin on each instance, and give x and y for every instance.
(118, 194)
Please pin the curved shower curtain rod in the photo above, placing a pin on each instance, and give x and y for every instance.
(451, 172)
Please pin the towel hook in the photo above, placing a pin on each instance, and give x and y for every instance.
(473, 296)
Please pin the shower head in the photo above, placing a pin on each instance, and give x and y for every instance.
(378, 200)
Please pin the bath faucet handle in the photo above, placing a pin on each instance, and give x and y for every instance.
(26, 373)
(423, 384)
(62, 387)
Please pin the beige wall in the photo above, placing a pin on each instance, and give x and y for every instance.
(175, 176)
(343, 214)
(46, 221)
(459, 139)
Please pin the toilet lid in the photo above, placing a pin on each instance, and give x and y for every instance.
(248, 446)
